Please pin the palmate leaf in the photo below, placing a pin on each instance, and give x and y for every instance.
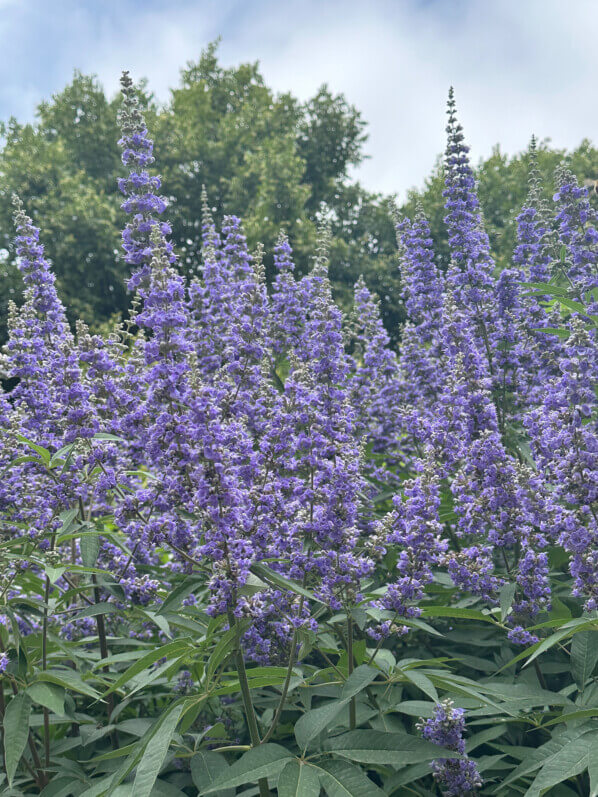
(265, 761)
(571, 760)
(311, 724)
(206, 768)
(299, 779)
(342, 779)
(381, 747)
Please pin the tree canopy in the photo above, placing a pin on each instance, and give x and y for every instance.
(265, 157)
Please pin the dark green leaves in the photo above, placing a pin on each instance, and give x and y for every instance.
(48, 695)
(571, 760)
(584, 656)
(206, 768)
(266, 761)
(299, 779)
(16, 730)
(168, 651)
(155, 753)
(311, 724)
(380, 747)
(342, 779)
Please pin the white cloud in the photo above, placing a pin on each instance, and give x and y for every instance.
(517, 67)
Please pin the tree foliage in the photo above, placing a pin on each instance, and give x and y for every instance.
(262, 156)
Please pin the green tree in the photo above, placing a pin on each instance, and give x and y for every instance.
(262, 156)
(502, 189)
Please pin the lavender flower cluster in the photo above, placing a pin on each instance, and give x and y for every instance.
(226, 425)
(458, 776)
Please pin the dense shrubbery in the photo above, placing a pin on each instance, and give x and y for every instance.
(247, 547)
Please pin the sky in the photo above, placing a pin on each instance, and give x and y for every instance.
(517, 67)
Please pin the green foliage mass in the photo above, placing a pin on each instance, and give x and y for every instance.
(502, 189)
(267, 158)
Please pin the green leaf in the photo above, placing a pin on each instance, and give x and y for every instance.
(313, 722)
(570, 761)
(106, 436)
(562, 333)
(577, 307)
(263, 572)
(223, 648)
(571, 716)
(25, 458)
(533, 758)
(43, 452)
(584, 656)
(168, 651)
(593, 772)
(16, 731)
(265, 761)
(299, 779)
(58, 458)
(546, 288)
(69, 679)
(454, 611)
(179, 593)
(206, 768)
(47, 695)
(342, 779)
(361, 677)
(53, 573)
(382, 747)
(149, 767)
(506, 597)
(405, 776)
(90, 548)
(95, 610)
(569, 629)
(139, 747)
(68, 518)
(422, 682)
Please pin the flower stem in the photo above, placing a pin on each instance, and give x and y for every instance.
(352, 705)
(254, 733)
(45, 667)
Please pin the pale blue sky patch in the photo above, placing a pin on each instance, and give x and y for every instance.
(517, 67)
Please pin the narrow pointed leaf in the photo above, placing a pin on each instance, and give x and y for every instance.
(154, 755)
(265, 761)
(16, 731)
(299, 779)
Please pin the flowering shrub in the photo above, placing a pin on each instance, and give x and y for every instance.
(240, 533)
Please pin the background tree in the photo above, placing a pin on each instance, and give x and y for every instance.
(502, 189)
(265, 157)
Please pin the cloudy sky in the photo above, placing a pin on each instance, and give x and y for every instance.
(518, 67)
